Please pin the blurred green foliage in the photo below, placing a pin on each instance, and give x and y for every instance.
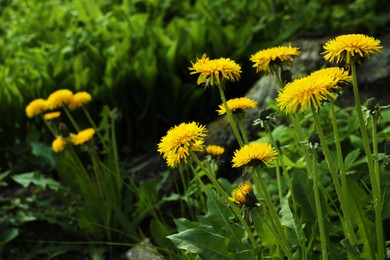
(134, 55)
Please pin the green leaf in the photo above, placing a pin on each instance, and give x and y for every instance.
(26, 179)
(303, 193)
(220, 217)
(351, 158)
(358, 200)
(43, 151)
(8, 234)
(207, 244)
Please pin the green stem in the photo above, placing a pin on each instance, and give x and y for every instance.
(278, 177)
(242, 128)
(230, 117)
(90, 120)
(278, 79)
(71, 119)
(317, 199)
(202, 186)
(260, 186)
(373, 175)
(300, 139)
(329, 161)
(344, 186)
(377, 191)
(226, 197)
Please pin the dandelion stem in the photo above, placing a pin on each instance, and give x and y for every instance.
(378, 200)
(329, 160)
(300, 139)
(350, 232)
(90, 120)
(317, 199)
(260, 186)
(242, 129)
(373, 175)
(230, 117)
(226, 197)
(71, 119)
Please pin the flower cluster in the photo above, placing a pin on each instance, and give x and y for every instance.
(57, 99)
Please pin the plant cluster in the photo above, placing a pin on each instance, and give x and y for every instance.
(328, 199)
(129, 54)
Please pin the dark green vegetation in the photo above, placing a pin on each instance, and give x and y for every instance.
(133, 56)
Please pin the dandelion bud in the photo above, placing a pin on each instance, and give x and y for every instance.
(372, 104)
(314, 138)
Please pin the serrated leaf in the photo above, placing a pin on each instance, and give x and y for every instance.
(220, 217)
(207, 244)
(26, 179)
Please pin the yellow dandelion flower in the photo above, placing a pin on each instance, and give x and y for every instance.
(36, 107)
(265, 60)
(243, 194)
(351, 46)
(215, 150)
(313, 89)
(59, 98)
(79, 99)
(213, 72)
(59, 144)
(52, 115)
(82, 136)
(181, 139)
(255, 154)
(237, 105)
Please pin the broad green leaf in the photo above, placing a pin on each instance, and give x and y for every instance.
(159, 233)
(303, 193)
(183, 224)
(207, 244)
(8, 234)
(351, 158)
(220, 217)
(43, 151)
(358, 200)
(26, 179)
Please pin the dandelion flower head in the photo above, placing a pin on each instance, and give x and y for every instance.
(265, 60)
(59, 98)
(82, 136)
(214, 71)
(52, 115)
(319, 86)
(215, 150)
(36, 107)
(350, 47)
(59, 144)
(241, 194)
(176, 145)
(79, 99)
(237, 105)
(255, 154)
